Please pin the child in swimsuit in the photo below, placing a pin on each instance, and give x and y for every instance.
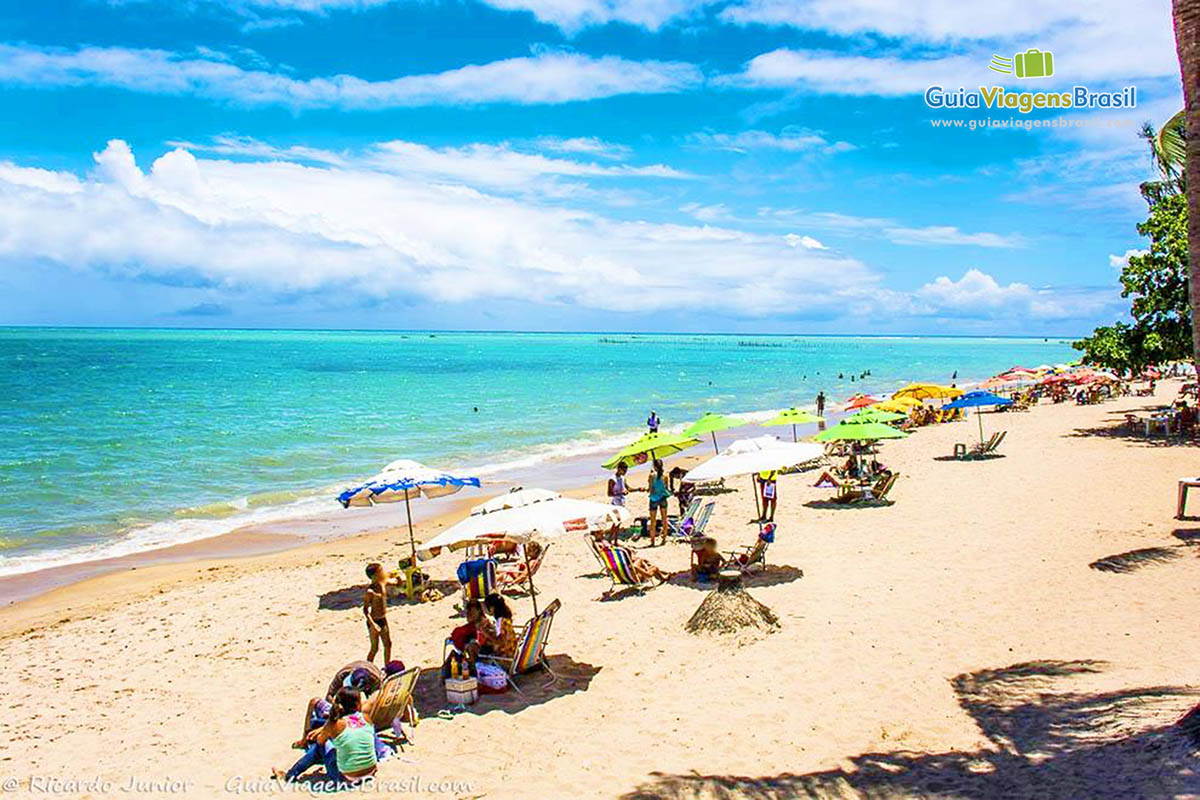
(375, 610)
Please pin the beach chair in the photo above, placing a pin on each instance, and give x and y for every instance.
(531, 648)
(675, 524)
(962, 451)
(477, 577)
(618, 565)
(876, 494)
(702, 519)
(511, 575)
(752, 555)
(395, 697)
(988, 447)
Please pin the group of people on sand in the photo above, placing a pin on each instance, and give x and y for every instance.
(339, 734)
(658, 488)
(487, 632)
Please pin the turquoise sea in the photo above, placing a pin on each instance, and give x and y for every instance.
(115, 440)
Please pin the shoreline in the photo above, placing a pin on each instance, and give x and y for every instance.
(575, 472)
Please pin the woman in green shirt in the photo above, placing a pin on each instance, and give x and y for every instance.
(345, 744)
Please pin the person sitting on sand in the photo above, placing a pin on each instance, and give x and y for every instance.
(345, 744)
(361, 675)
(465, 639)
(706, 561)
(516, 571)
(499, 636)
(352, 676)
(643, 570)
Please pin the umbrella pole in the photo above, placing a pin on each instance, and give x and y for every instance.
(529, 573)
(754, 488)
(979, 416)
(411, 540)
(793, 433)
(714, 435)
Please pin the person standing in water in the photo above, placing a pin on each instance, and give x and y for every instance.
(821, 404)
(652, 422)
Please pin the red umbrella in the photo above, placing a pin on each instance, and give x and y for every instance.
(861, 401)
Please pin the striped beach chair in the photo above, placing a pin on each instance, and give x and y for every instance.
(618, 564)
(478, 578)
(531, 648)
(676, 523)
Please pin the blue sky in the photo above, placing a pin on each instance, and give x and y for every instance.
(746, 165)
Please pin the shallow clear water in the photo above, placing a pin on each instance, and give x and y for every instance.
(113, 440)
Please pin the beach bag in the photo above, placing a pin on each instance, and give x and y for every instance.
(462, 691)
(492, 679)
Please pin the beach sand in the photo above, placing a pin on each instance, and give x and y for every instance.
(954, 644)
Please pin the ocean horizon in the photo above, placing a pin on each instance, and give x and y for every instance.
(121, 440)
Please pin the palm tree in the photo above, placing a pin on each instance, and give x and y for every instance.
(1167, 153)
(1186, 15)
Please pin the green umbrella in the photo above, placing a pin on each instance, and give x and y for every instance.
(710, 423)
(652, 445)
(875, 415)
(859, 432)
(794, 416)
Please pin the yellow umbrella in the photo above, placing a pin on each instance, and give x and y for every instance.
(927, 391)
(900, 405)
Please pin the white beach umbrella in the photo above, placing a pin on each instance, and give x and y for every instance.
(520, 515)
(752, 456)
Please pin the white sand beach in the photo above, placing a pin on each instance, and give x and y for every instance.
(954, 644)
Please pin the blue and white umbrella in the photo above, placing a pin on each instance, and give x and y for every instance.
(405, 480)
(977, 400)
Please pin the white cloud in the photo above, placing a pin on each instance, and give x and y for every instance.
(807, 242)
(1122, 261)
(493, 167)
(584, 145)
(791, 140)
(893, 231)
(837, 73)
(979, 295)
(949, 235)
(570, 15)
(547, 77)
(706, 213)
(278, 227)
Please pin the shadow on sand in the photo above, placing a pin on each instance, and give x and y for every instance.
(1189, 536)
(771, 576)
(1047, 743)
(352, 596)
(833, 504)
(1118, 429)
(536, 688)
(1136, 559)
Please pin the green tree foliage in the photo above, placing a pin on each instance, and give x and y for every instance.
(1157, 285)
